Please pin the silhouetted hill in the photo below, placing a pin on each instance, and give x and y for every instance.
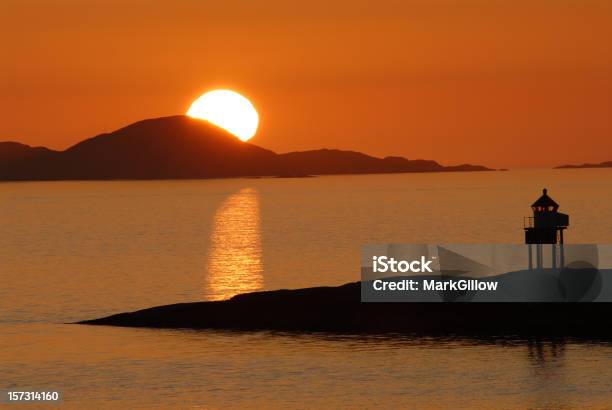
(169, 147)
(179, 147)
(606, 164)
(333, 161)
(18, 161)
(13, 152)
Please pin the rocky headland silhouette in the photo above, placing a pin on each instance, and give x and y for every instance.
(181, 147)
(340, 310)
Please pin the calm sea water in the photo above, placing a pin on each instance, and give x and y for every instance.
(77, 250)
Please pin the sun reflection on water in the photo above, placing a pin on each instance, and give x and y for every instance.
(234, 261)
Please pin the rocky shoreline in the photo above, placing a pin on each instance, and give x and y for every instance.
(340, 310)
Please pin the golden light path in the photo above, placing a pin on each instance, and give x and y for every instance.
(229, 110)
(234, 261)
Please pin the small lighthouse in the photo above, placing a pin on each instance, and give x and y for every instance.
(546, 226)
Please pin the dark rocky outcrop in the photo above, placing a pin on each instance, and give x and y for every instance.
(340, 310)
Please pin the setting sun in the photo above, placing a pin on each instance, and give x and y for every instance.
(227, 109)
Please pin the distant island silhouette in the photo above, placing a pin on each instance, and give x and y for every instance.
(605, 164)
(180, 147)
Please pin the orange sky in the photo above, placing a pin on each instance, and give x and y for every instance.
(502, 83)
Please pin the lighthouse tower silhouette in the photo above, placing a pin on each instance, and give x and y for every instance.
(546, 226)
